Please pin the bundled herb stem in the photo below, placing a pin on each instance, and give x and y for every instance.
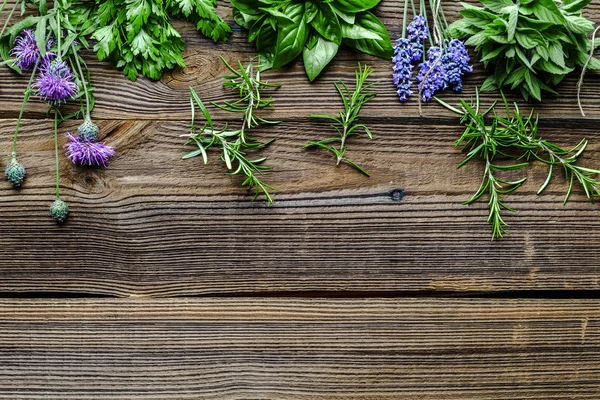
(346, 124)
(234, 143)
(516, 138)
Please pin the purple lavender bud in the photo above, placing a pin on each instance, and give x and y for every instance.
(417, 33)
(56, 83)
(85, 152)
(456, 62)
(417, 30)
(403, 68)
(431, 82)
(27, 53)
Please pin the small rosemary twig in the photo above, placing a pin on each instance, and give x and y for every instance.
(345, 124)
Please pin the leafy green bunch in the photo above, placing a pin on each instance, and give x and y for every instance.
(137, 35)
(282, 29)
(491, 137)
(531, 44)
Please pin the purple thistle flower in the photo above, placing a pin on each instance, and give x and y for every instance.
(403, 68)
(56, 82)
(27, 53)
(417, 33)
(456, 62)
(85, 152)
(436, 79)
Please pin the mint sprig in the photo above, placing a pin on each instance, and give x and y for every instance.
(531, 45)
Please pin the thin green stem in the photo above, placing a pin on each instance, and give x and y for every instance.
(404, 19)
(56, 152)
(3, 5)
(26, 96)
(85, 87)
(58, 34)
(9, 16)
(423, 12)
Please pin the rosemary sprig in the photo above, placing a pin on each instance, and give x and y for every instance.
(514, 137)
(249, 86)
(234, 143)
(346, 125)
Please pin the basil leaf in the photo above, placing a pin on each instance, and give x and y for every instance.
(348, 17)
(317, 58)
(356, 31)
(354, 6)
(311, 11)
(291, 37)
(327, 24)
(379, 48)
(248, 6)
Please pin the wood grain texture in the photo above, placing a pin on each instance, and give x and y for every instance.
(299, 349)
(153, 224)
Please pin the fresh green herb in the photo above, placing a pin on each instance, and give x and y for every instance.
(282, 29)
(234, 143)
(346, 124)
(137, 35)
(531, 44)
(514, 137)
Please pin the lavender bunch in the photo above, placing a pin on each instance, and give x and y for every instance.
(446, 61)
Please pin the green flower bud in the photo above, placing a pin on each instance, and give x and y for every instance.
(59, 210)
(88, 130)
(15, 172)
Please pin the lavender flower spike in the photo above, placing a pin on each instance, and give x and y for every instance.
(456, 62)
(56, 83)
(27, 53)
(85, 152)
(403, 68)
(431, 82)
(417, 33)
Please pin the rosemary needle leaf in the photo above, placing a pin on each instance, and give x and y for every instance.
(233, 143)
(346, 124)
(514, 136)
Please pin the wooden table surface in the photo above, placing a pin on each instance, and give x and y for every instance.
(168, 283)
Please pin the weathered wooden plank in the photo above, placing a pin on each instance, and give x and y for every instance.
(118, 98)
(155, 224)
(299, 349)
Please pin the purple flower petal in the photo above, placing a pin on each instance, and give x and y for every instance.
(403, 68)
(56, 82)
(85, 152)
(27, 53)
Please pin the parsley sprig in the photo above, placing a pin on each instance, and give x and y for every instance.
(346, 124)
(489, 136)
(234, 143)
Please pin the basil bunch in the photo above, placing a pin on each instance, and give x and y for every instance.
(282, 29)
(533, 44)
